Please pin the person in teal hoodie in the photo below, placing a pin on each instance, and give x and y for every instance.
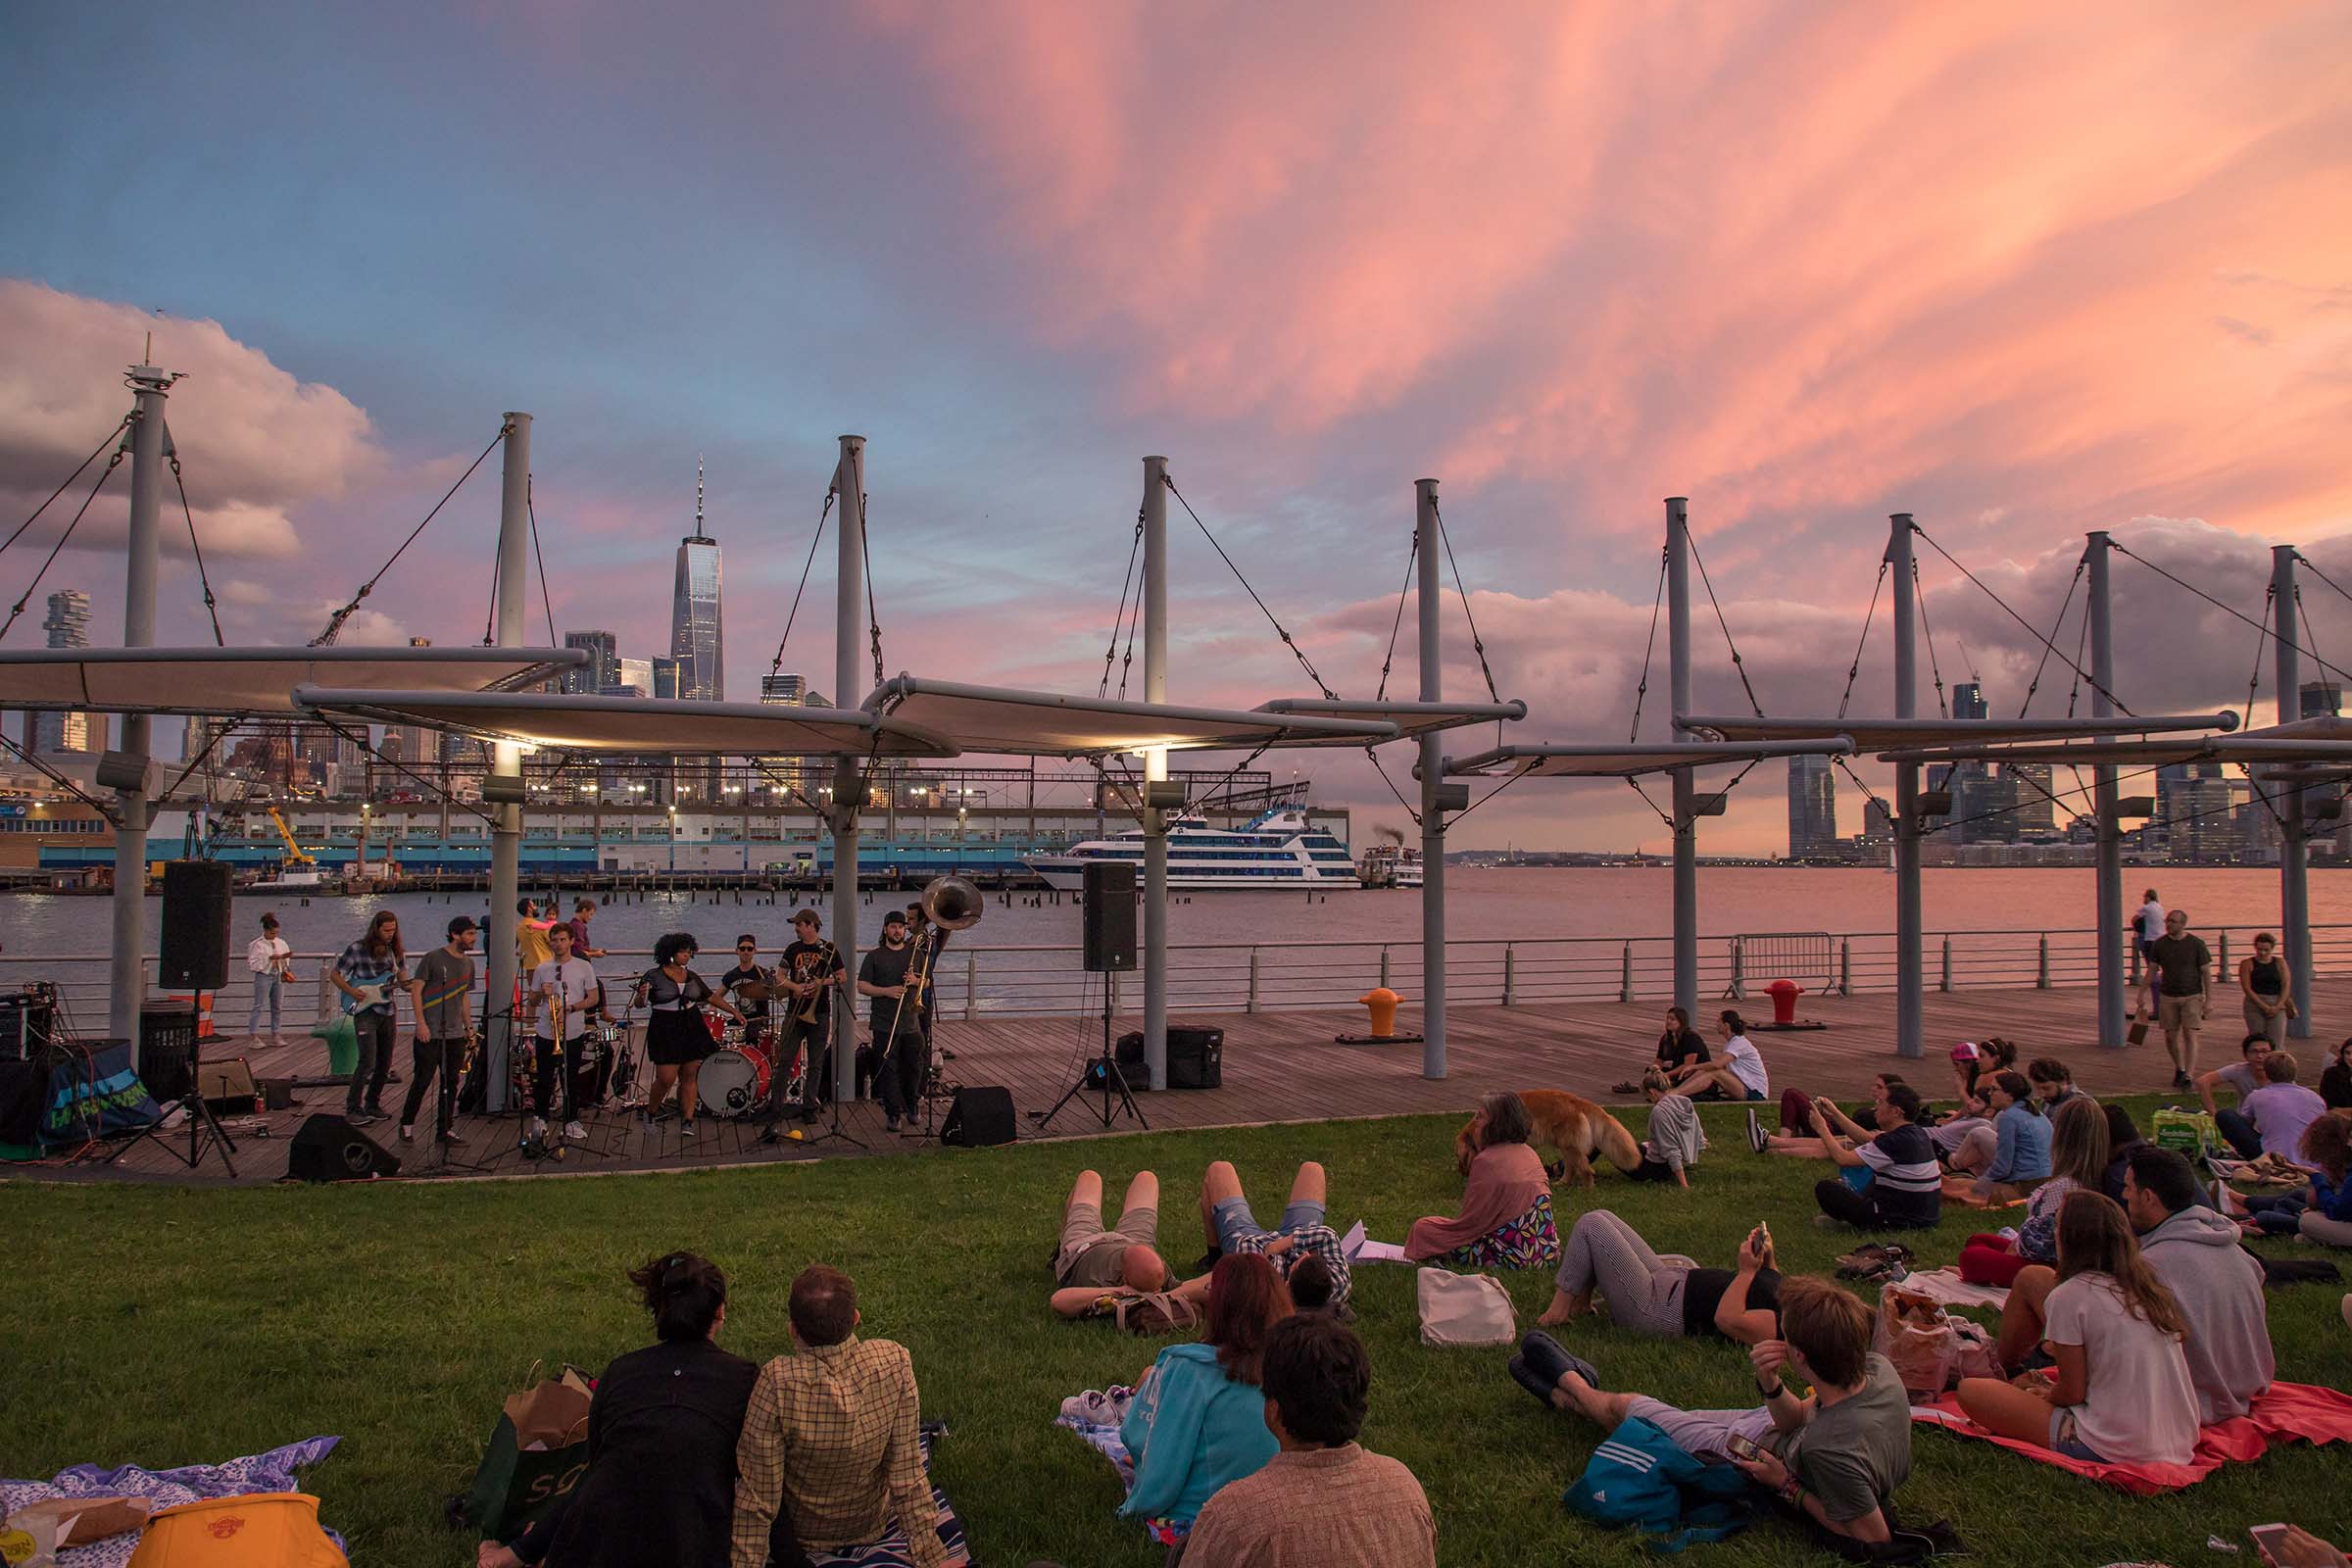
(1200, 1419)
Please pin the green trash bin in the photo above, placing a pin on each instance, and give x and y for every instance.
(342, 1047)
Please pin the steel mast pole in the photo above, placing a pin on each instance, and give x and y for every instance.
(2109, 938)
(506, 761)
(1910, 1022)
(1156, 768)
(849, 637)
(128, 978)
(2294, 830)
(1428, 602)
(1686, 792)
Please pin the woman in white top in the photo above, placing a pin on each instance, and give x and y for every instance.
(2123, 1394)
(1737, 1072)
(271, 961)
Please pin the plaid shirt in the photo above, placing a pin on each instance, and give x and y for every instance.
(1313, 1507)
(831, 1436)
(1312, 1241)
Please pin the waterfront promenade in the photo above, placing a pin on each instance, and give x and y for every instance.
(1284, 1067)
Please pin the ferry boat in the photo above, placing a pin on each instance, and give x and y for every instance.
(1276, 849)
(1390, 865)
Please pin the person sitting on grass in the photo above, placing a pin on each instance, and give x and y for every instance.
(832, 1438)
(2122, 1393)
(2123, 1142)
(1738, 1074)
(1976, 1059)
(2336, 1082)
(1323, 1500)
(1837, 1454)
(1303, 1231)
(1666, 1297)
(2195, 1253)
(2282, 1108)
(2053, 1084)
(1679, 1046)
(2241, 1078)
(1505, 1220)
(2002, 1163)
(1904, 1188)
(2077, 1162)
(1087, 1256)
(2323, 1211)
(1674, 1139)
(1796, 1136)
(1198, 1420)
(660, 1486)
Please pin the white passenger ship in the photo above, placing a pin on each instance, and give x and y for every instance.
(1278, 849)
(1390, 865)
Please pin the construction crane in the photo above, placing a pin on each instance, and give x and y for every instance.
(295, 852)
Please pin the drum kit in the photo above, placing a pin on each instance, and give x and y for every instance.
(737, 1077)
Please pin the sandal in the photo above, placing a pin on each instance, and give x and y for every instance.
(1627, 1088)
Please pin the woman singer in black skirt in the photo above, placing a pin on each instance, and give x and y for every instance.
(676, 1039)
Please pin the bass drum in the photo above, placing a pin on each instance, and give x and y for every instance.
(734, 1082)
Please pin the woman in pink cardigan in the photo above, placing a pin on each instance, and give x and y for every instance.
(1506, 1218)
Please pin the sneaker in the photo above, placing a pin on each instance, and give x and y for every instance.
(686, 1129)
(890, 1124)
(645, 1121)
(575, 1132)
(408, 1135)
(538, 1127)
(361, 1118)
(1755, 1132)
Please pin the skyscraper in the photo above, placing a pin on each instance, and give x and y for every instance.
(2036, 812)
(668, 677)
(418, 747)
(695, 640)
(67, 625)
(1812, 808)
(604, 661)
(631, 677)
(784, 690)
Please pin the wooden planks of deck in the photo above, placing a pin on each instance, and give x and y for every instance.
(1278, 1066)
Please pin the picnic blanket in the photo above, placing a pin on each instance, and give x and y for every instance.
(1103, 1438)
(167, 1488)
(1947, 1287)
(891, 1552)
(2289, 1411)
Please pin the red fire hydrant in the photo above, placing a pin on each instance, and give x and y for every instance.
(1783, 994)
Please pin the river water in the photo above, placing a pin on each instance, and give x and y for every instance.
(1497, 902)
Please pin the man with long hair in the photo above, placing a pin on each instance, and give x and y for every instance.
(368, 972)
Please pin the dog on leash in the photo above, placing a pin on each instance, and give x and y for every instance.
(1576, 1129)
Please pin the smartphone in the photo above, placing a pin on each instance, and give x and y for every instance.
(2270, 1538)
(1746, 1448)
(1764, 1230)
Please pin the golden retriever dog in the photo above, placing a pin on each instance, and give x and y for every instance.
(1576, 1129)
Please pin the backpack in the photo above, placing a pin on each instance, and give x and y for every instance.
(1639, 1477)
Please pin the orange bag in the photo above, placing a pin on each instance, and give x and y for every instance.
(265, 1530)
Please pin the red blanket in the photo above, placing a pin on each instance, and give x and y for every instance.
(2286, 1412)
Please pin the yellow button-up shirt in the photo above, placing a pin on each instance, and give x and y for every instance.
(831, 1436)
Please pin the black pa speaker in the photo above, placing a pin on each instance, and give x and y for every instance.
(979, 1117)
(195, 934)
(1195, 1058)
(1109, 916)
(328, 1149)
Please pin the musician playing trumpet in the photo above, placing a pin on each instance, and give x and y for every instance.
(561, 990)
(810, 971)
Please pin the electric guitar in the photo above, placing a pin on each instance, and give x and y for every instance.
(362, 997)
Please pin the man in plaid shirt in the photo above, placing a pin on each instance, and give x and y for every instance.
(831, 1436)
(1301, 1232)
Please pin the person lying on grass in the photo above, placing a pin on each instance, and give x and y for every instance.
(1089, 1257)
(1836, 1454)
(1668, 1296)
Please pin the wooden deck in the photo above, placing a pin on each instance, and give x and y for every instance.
(1278, 1066)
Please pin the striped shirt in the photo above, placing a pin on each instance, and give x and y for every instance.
(1906, 1182)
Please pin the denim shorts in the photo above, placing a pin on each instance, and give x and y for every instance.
(2063, 1439)
(1235, 1221)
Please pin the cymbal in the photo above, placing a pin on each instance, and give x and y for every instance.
(757, 991)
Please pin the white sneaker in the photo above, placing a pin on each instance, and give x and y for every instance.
(575, 1133)
(538, 1126)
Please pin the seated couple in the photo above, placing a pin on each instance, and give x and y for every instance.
(2149, 1343)
(1889, 1177)
(1668, 1296)
(2272, 1109)
(1256, 1430)
(1835, 1455)
(1098, 1268)
(699, 1459)
(2322, 1212)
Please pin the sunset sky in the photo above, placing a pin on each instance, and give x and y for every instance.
(2023, 271)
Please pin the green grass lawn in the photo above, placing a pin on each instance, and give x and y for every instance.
(167, 1327)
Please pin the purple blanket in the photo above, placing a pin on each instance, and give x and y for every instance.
(164, 1489)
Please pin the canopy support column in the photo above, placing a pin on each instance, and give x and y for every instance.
(1910, 1019)
(2295, 829)
(848, 639)
(2108, 940)
(128, 978)
(506, 761)
(1428, 602)
(1686, 791)
(1156, 771)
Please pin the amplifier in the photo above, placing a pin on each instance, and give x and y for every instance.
(28, 1025)
(1195, 1058)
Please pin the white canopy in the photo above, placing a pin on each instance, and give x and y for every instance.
(565, 721)
(2277, 745)
(1021, 723)
(1957, 734)
(1629, 762)
(254, 681)
(1410, 718)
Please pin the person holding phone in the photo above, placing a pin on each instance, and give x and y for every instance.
(1667, 1297)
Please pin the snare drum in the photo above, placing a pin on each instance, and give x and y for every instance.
(734, 1082)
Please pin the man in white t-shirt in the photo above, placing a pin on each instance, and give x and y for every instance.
(2282, 1108)
(2146, 927)
(271, 961)
(561, 989)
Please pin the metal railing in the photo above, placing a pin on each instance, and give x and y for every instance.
(1242, 977)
